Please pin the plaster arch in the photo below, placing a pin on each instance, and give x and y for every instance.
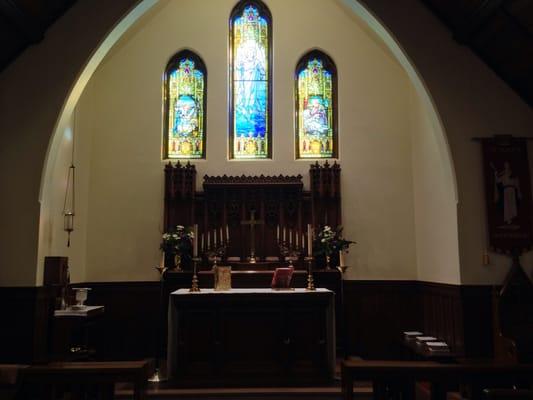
(66, 116)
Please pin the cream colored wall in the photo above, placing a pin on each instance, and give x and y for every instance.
(53, 237)
(123, 104)
(470, 99)
(472, 102)
(434, 203)
(33, 89)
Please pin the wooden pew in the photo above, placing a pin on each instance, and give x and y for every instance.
(508, 394)
(78, 377)
(399, 377)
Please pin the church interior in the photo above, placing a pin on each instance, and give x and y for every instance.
(304, 199)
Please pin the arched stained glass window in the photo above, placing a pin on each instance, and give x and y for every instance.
(250, 81)
(185, 106)
(316, 108)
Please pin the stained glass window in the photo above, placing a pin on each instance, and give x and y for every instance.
(316, 92)
(250, 86)
(185, 106)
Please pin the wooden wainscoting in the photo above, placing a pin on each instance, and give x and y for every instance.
(129, 323)
(376, 313)
(26, 313)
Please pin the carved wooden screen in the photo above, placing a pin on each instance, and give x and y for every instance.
(227, 201)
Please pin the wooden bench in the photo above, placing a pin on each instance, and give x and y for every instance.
(399, 377)
(508, 394)
(78, 377)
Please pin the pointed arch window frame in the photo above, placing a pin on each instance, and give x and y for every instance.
(331, 67)
(264, 12)
(172, 65)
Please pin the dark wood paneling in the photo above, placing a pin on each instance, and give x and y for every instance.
(24, 332)
(377, 312)
(129, 324)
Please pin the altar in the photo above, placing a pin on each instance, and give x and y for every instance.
(246, 337)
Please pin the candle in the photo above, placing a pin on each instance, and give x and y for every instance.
(221, 236)
(284, 234)
(208, 240)
(215, 237)
(227, 233)
(195, 241)
(277, 232)
(202, 242)
(290, 237)
(303, 240)
(341, 258)
(309, 240)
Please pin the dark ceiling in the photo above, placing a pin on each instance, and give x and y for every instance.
(24, 22)
(500, 32)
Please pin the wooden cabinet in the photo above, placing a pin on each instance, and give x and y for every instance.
(251, 337)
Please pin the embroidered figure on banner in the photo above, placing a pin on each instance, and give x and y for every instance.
(507, 194)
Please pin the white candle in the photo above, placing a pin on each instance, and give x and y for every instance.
(303, 240)
(215, 237)
(195, 241)
(221, 236)
(227, 233)
(290, 237)
(277, 233)
(202, 242)
(309, 240)
(341, 258)
(208, 240)
(284, 234)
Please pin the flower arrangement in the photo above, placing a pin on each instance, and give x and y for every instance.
(330, 241)
(177, 242)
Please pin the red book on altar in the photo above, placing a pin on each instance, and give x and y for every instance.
(282, 278)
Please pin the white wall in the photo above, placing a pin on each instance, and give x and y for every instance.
(470, 100)
(434, 203)
(121, 109)
(53, 237)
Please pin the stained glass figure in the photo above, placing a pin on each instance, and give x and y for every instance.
(185, 87)
(250, 84)
(316, 135)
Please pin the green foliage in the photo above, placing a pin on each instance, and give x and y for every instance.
(330, 241)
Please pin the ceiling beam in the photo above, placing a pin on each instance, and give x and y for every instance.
(464, 31)
(30, 28)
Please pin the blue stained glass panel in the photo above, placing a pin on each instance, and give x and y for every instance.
(250, 92)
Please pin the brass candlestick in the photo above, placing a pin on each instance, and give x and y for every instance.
(157, 377)
(310, 279)
(194, 286)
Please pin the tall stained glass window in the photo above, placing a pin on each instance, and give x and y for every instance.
(316, 108)
(250, 81)
(185, 106)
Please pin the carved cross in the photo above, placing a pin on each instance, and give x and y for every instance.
(252, 222)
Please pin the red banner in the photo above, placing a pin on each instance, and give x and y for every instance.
(507, 193)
